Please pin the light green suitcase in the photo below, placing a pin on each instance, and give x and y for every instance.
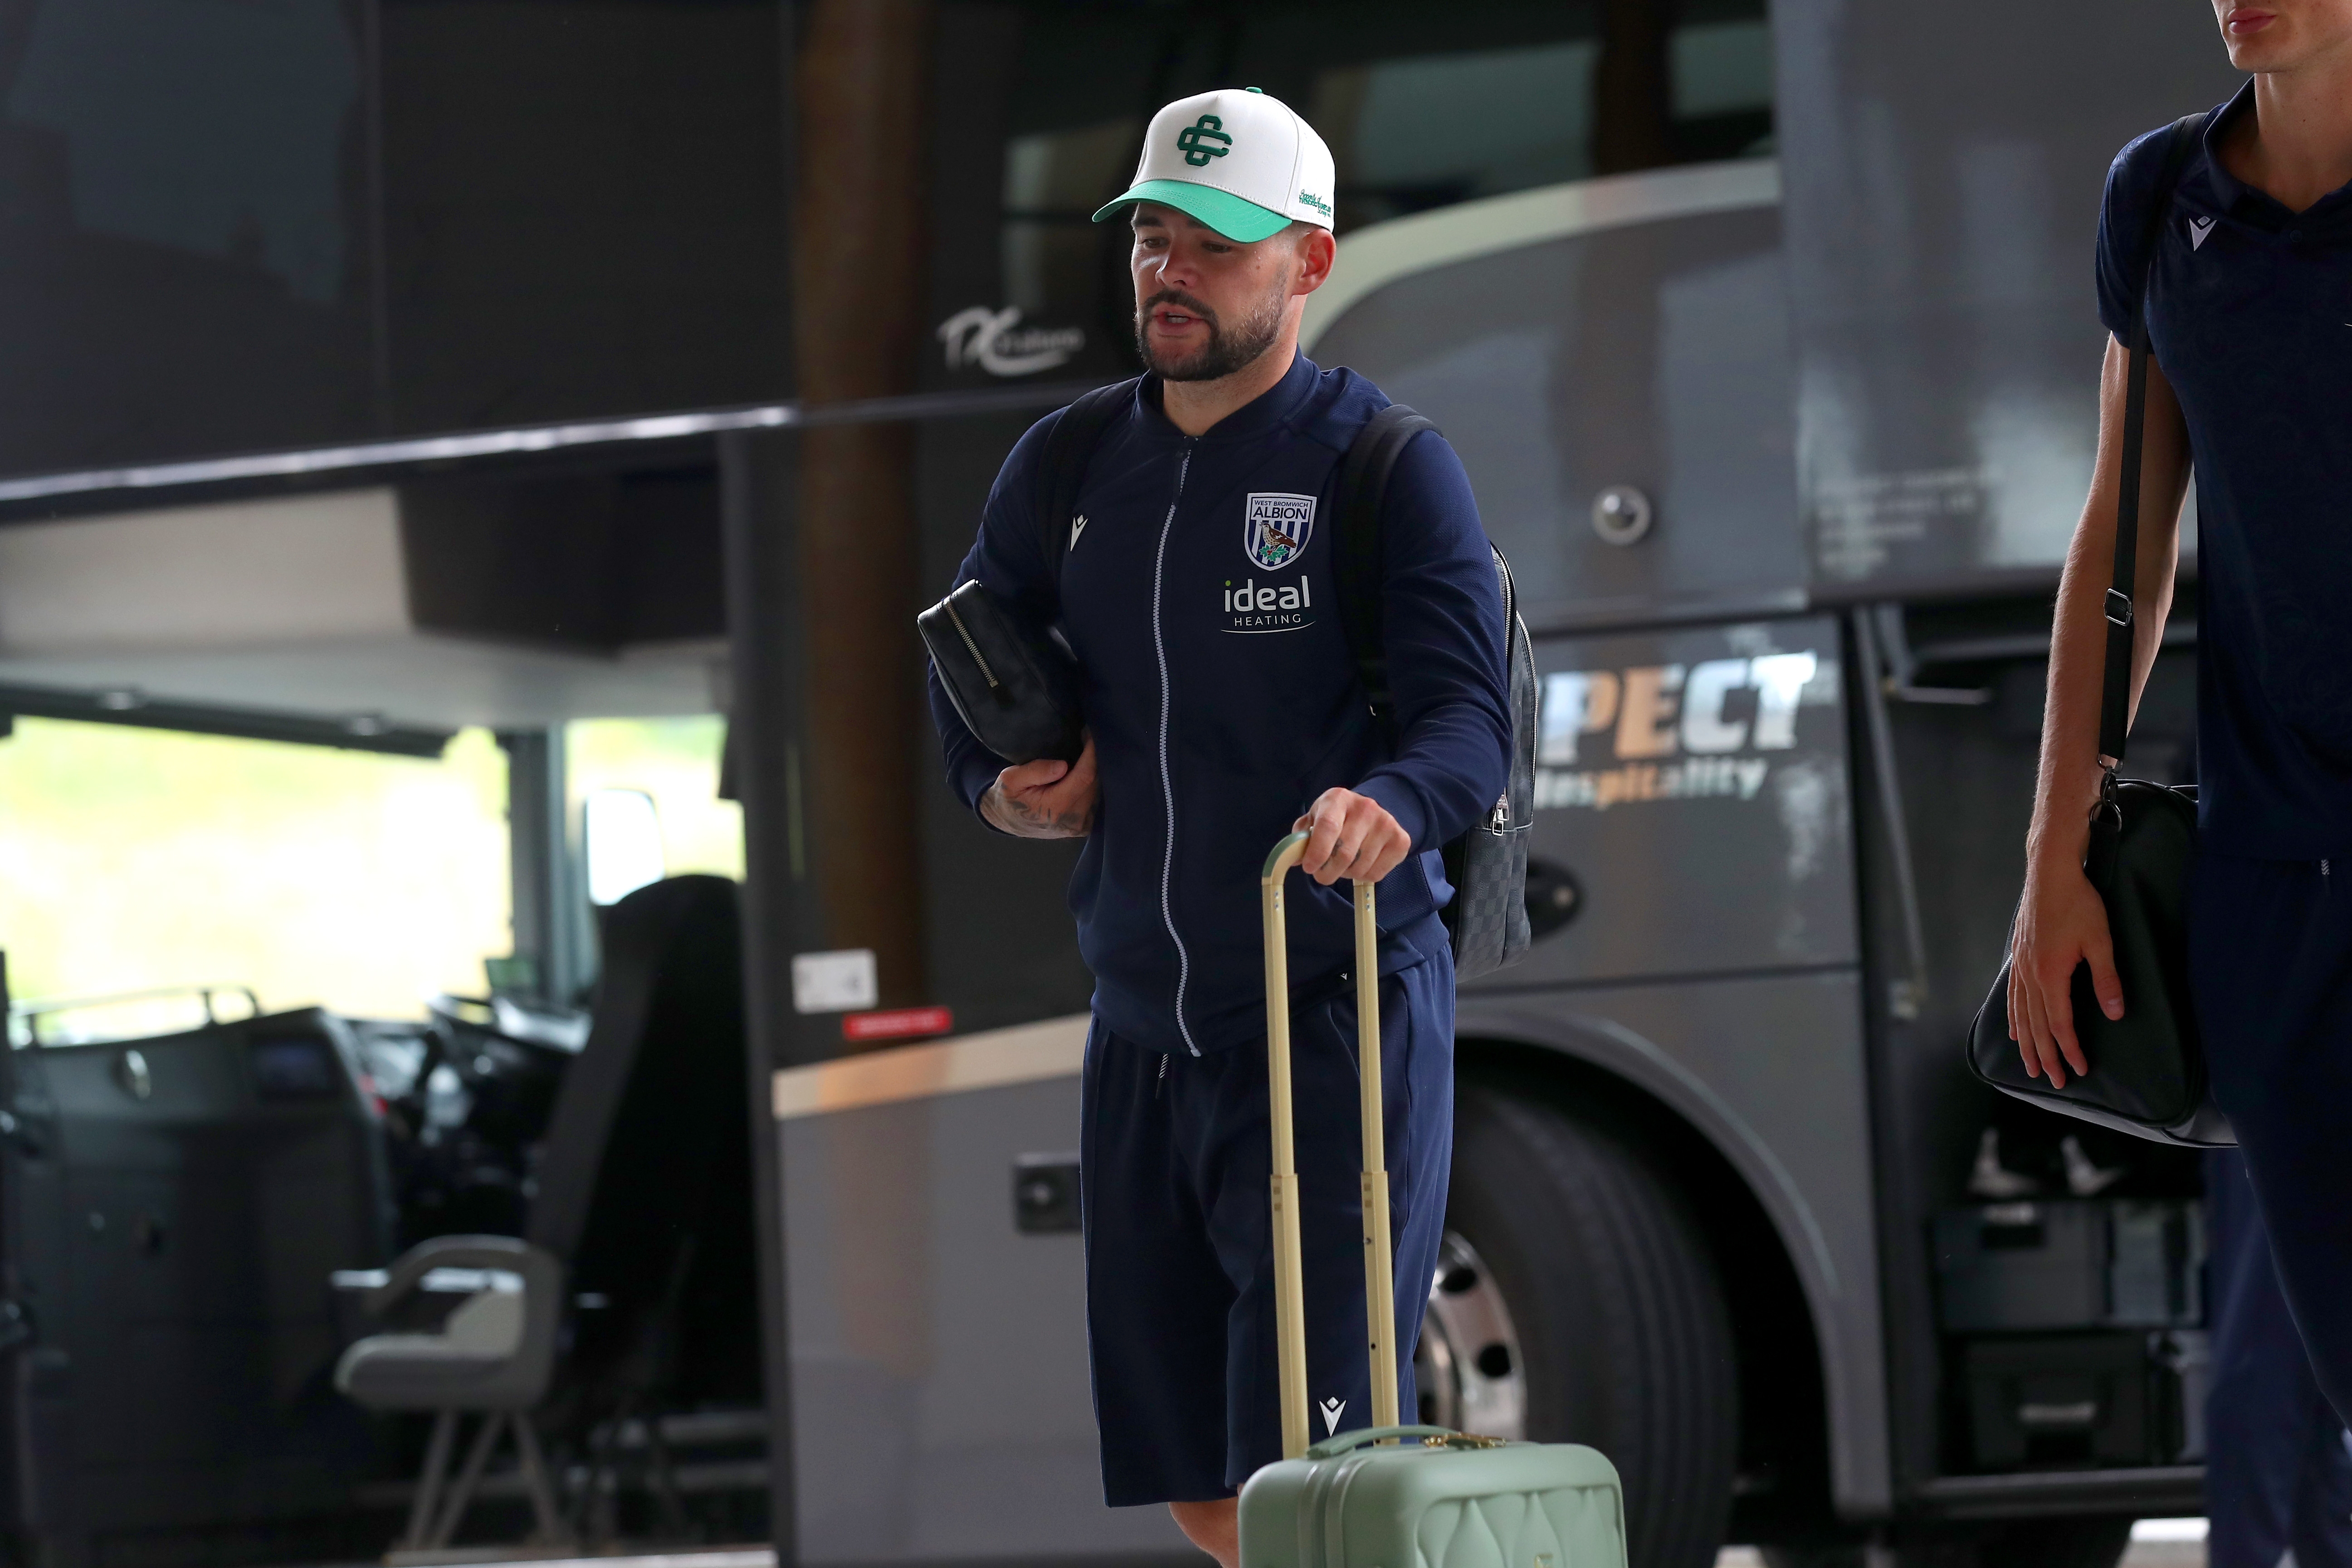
(1394, 1496)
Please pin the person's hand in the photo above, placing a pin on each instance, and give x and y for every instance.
(1350, 835)
(1048, 798)
(2060, 924)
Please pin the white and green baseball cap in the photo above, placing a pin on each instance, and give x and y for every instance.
(1242, 162)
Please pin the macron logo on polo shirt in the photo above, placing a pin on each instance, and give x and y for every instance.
(2198, 227)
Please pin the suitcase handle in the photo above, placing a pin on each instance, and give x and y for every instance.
(1380, 1267)
(1440, 1437)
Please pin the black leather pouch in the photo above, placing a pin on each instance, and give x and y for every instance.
(1015, 684)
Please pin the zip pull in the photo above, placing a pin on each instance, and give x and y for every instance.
(972, 647)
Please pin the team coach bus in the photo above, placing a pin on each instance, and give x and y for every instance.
(1768, 339)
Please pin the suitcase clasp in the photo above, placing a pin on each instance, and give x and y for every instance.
(1464, 1440)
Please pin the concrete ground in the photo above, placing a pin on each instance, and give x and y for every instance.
(2156, 1543)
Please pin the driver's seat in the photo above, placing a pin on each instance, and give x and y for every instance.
(652, 1118)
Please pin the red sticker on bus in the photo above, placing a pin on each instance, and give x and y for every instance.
(898, 1024)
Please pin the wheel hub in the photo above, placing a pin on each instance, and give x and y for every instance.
(1467, 1365)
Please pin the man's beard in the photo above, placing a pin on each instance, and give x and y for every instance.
(1224, 353)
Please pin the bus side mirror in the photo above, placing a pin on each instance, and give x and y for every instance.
(620, 839)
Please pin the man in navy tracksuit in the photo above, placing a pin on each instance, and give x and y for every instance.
(1200, 594)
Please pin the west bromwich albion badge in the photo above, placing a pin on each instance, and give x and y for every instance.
(1276, 528)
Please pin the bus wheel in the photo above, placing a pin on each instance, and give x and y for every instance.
(1469, 1369)
(1583, 1278)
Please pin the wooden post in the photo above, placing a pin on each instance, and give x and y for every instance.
(857, 236)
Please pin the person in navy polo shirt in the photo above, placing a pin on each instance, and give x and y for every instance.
(1200, 593)
(2278, 1461)
(2250, 317)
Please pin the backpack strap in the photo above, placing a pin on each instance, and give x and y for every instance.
(2114, 695)
(1364, 476)
(1062, 468)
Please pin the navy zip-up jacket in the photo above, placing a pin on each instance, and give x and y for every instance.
(1200, 594)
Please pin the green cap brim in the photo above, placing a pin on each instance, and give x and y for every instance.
(1228, 214)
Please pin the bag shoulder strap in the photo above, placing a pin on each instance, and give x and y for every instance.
(1364, 475)
(2114, 693)
(1061, 471)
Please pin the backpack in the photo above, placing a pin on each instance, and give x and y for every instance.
(1487, 920)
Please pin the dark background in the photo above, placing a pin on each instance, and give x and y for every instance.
(1943, 169)
(227, 226)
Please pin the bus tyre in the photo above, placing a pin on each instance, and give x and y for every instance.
(1603, 1279)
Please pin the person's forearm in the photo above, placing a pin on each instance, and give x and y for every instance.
(2068, 784)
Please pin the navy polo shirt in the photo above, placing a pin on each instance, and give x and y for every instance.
(2250, 314)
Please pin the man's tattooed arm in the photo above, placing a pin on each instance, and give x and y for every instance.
(1044, 799)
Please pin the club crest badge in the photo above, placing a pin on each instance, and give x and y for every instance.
(1276, 528)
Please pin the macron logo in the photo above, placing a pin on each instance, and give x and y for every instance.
(2198, 227)
(1331, 1409)
(1078, 526)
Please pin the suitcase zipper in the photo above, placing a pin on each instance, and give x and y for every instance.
(1167, 778)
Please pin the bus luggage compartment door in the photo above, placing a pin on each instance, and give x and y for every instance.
(941, 1407)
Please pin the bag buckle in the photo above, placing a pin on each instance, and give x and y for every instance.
(2109, 812)
(2119, 608)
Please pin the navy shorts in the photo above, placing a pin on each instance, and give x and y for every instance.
(1175, 1157)
(2271, 961)
(2278, 1463)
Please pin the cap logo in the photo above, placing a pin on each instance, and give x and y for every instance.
(1194, 139)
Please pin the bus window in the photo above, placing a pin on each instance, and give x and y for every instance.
(134, 859)
(1042, 103)
(675, 760)
(1720, 79)
(188, 269)
(1403, 145)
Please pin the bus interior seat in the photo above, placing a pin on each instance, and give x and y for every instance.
(491, 1355)
(643, 1176)
(644, 1183)
(174, 1202)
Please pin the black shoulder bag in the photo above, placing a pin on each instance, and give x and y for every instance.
(2148, 1071)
